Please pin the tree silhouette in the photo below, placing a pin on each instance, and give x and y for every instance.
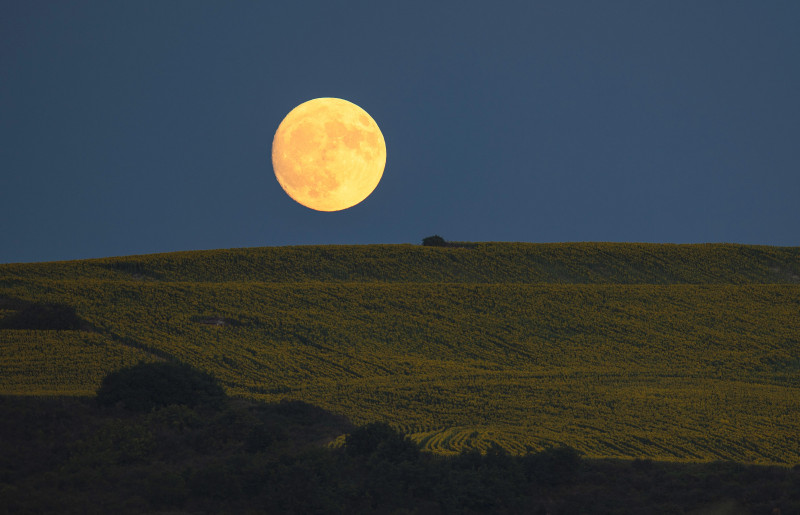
(380, 440)
(146, 386)
(44, 317)
(434, 241)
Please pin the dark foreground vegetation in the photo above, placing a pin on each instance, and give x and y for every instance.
(205, 453)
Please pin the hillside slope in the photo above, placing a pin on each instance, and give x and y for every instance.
(675, 352)
(580, 263)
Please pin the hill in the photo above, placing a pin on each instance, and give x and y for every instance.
(669, 352)
(570, 263)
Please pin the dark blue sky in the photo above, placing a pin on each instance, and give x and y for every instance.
(140, 127)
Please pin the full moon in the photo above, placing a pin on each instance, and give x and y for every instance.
(328, 154)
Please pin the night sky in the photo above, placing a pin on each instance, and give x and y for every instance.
(139, 127)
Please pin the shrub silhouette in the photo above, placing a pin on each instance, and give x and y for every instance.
(380, 440)
(44, 317)
(434, 241)
(552, 467)
(146, 386)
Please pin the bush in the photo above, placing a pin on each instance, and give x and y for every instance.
(45, 317)
(552, 467)
(434, 241)
(380, 440)
(151, 385)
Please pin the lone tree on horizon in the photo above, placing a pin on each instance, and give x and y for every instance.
(434, 241)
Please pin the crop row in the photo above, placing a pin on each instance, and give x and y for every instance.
(683, 372)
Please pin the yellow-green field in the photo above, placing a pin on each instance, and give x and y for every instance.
(671, 352)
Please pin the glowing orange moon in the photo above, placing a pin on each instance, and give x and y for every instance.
(328, 154)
